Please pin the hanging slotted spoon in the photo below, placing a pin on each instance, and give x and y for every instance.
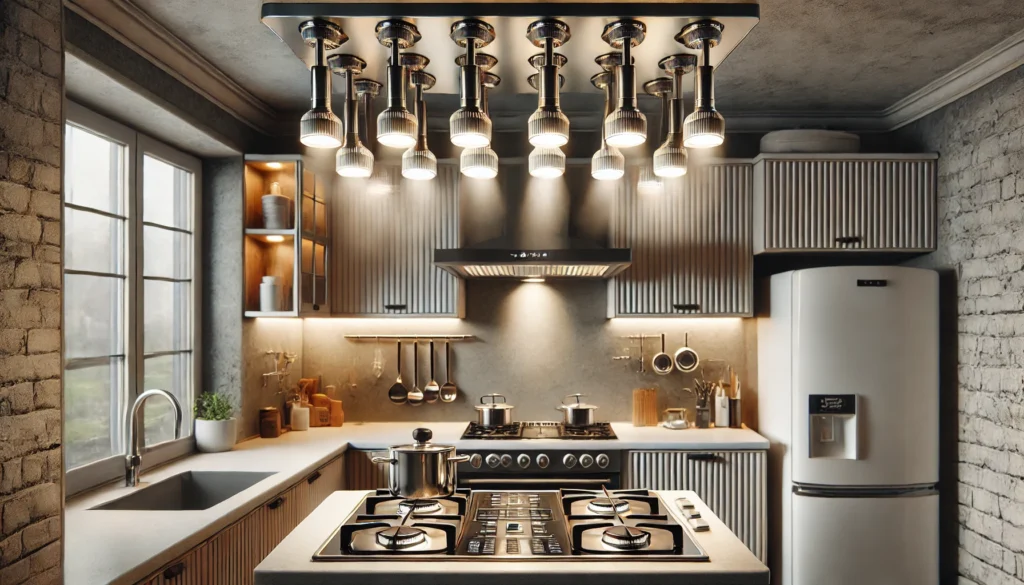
(431, 391)
(398, 392)
(448, 391)
(415, 396)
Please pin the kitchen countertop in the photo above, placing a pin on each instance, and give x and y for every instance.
(112, 546)
(290, 563)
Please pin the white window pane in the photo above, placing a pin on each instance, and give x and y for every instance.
(172, 373)
(168, 253)
(92, 413)
(95, 171)
(93, 316)
(166, 194)
(93, 242)
(168, 316)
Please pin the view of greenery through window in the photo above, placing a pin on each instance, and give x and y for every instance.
(102, 271)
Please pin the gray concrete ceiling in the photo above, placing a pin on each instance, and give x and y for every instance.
(814, 56)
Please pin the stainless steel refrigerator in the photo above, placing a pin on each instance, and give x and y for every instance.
(848, 395)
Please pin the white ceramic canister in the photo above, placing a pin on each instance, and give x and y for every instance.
(300, 417)
(270, 294)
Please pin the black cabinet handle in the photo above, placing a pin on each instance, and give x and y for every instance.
(174, 571)
(686, 307)
(848, 239)
(395, 307)
(702, 456)
(316, 307)
(312, 478)
(277, 503)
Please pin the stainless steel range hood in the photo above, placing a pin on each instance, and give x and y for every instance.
(556, 263)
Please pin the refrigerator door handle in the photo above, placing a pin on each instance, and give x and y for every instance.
(903, 491)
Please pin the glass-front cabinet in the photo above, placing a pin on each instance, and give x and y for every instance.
(286, 237)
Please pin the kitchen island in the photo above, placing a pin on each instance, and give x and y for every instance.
(730, 562)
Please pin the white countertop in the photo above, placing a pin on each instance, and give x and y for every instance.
(290, 563)
(111, 546)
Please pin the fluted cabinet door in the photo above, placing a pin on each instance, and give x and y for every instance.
(845, 203)
(383, 255)
(692, 245)
(192, 568)
(363, 474)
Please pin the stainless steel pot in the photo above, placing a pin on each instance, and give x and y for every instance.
(423, 469)
(577, 414)
(493, 413)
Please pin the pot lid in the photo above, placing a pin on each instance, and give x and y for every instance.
(576, 405)
(493, 404)
(422, 443)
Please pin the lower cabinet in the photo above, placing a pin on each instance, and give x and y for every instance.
(363, 474)
(230, 557)
(732, 483)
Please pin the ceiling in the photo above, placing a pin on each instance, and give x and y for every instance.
(805, 56)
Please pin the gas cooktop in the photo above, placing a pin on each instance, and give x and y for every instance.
(515, 525)
(540, 430)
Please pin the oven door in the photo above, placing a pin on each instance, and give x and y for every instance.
(527, 481)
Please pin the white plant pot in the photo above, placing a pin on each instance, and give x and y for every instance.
(214, 436)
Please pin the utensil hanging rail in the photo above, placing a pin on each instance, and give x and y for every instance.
(412, 337)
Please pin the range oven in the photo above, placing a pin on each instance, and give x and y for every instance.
(504, 468)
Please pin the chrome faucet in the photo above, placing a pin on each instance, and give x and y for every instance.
(135, 431)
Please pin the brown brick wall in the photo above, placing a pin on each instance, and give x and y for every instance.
(31, 95)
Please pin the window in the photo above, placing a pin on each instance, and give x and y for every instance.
(130, 302)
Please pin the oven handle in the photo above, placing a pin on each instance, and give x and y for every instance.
(535, 481)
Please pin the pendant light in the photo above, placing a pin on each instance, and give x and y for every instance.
(670, 158)
(418, 163)
(546, 162)
(319, 127)
(661, 87)
(607, 164)
(705, 127)
(626, 126)
(548, 126)
(396, 126)
(470, 126)
(482, 162)
(353, 159)
(380, 183)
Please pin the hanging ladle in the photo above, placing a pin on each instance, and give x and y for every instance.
(398, 393)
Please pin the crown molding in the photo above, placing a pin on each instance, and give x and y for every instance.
(130, 25)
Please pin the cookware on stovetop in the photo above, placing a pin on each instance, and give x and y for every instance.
(577, 414)
(422, 469)
(493, 413)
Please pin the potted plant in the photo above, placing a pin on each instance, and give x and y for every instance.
(215, 427)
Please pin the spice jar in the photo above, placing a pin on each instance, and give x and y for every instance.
(270, 422)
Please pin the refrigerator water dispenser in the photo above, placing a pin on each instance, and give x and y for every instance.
(833, 426)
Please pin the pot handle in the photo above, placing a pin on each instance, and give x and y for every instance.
(576, 396)
(387, 460)
(458, 459)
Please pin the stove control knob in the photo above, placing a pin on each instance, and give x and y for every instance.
(476, 460)
(493, 460)
(569, 460)
(523, 460)
(543, 461)
(506, 460)
(602, 460)
(586, 460)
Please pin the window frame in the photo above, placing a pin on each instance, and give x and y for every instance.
(137, 146)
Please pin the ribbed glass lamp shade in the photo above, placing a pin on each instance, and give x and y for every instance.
(625, 128)
(354, 161)
(320, 128)
(470, 128)
(648, 183)
(607, 164)
(703, 129)
(479, 163)
(547, 163)
(419, 165)
(396, 128)
(548, 129)
(670, 158)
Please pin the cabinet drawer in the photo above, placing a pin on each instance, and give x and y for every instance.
(846, 204)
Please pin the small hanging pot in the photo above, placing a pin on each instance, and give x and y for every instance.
(577, 414)
(661, 363)
(686, 359)
(493, 413)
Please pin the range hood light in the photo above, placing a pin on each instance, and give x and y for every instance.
(353, 159)
(319, 127)
(470, 127)
(670, 158)
(418, 163)
(533, 279)
(396, 126)
(548, 126)
(705, 127)
(607, 164)
(482, 163)
(547, 163)
(626, 126)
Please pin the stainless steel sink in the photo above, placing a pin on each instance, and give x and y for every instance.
(191, 490)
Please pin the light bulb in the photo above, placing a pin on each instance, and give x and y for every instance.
(479, 163)
(470, 126)
(419, 165)
(275, 239)
(547, 163)
(607, 164)
(354, 161)
(396, 125)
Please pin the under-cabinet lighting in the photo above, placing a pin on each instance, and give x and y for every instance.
(275, 166)
(275, 239)
(533, 279)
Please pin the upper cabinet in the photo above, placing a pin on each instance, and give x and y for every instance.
(384, 241)
(844, 203)
(287, 238)
(691, 245)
